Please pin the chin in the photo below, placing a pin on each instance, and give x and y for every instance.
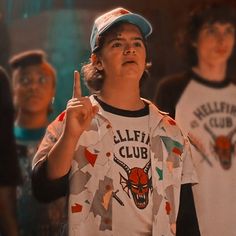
(133, 73)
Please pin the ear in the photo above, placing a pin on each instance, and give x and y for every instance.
(96, 62)
(54, 91)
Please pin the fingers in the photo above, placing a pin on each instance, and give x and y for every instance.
(77, 86)
(95, 110)
(81, 106)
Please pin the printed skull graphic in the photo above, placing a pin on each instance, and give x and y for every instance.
(223, 147)
(138, 183)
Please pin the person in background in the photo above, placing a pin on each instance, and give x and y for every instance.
(123, 159)
(9, 167)
(202, 99)
(34, 84)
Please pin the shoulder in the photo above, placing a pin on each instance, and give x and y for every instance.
(175, 80)
(163, 121)
(169, 128)
(170, 87)
(170, 125)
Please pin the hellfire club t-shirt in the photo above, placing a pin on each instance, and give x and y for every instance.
(132, 207)
(210, 122)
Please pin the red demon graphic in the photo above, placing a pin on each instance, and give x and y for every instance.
(223, 147)
(138, 183)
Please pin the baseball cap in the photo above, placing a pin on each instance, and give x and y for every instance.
(108, 19)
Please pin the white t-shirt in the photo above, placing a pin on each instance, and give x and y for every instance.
(211, 124)
(132, 210)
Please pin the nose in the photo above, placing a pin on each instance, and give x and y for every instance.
(34, 84)
(221, 37)
(129, 49)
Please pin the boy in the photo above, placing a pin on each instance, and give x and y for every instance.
(124, 160)
(203, 101)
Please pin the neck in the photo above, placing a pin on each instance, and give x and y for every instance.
(122, 96)
(31, 120)
(211, 72)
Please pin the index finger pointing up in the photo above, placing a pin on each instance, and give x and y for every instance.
(77, 86)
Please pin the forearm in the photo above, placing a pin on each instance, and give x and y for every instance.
(78, 117)
(60, 157)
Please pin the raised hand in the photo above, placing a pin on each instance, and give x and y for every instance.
(79, 111)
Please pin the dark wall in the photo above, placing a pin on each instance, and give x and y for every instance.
(61, 27)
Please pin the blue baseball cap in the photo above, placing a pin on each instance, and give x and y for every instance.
(108, 19)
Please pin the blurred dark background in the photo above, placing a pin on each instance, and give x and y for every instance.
(62, 28)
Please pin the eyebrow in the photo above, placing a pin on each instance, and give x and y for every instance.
(122, 39)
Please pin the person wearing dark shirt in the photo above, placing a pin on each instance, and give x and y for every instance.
(9, 168)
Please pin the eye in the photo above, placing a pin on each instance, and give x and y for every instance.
(42, 80)
(211, 30)
(24, 80)
(230, 30)
(138, 44)
(116, 44)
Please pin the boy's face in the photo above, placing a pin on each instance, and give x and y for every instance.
(33, 89)
(123, 54)
(215, 43)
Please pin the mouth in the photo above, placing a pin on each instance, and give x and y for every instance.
(129, 62)
(33, 97)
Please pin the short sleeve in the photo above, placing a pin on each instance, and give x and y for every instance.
(189, 174)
